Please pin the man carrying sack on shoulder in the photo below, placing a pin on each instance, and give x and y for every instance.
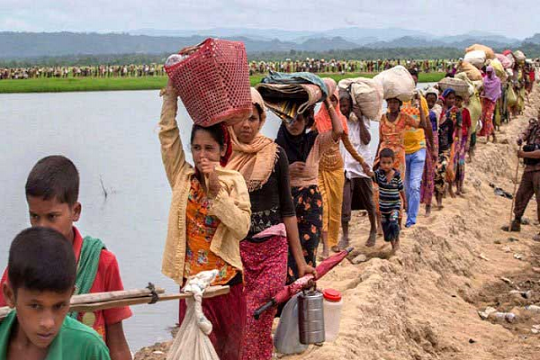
(530, 181)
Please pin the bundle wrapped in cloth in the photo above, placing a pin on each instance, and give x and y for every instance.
(499, 69)
(212, 79)
(397, 83)
(472, 72)
(289, 95)
(519, 56)
(463, 76)
(476, 57)
(490, 54)
(506, 62)
(461, 87)
(367, 93)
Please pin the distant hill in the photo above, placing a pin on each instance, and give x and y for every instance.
(354, 34)
(25, 45)
(535, 39)
(33, 45)
(457, 43)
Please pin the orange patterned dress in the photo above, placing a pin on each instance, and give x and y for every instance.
(392, 136)
(201, 228)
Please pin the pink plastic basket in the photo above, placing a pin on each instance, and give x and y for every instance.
(213, 81)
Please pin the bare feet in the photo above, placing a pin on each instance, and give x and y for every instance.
(371, 240)
(428, 210)
(395, 245)
(325, 254)
(342, 245)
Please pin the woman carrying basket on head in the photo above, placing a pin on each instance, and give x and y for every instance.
(209, 216)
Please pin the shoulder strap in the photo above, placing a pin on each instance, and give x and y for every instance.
(88, 266)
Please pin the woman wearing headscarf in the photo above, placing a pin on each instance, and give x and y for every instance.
(209, 216)
(273, 228)
(331, 172)
(304, 150)
(491, 93)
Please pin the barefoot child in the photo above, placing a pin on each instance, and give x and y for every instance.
(42, 272)
(391, 196)
(52, 191)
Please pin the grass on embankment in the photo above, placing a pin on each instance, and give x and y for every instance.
(133, 83)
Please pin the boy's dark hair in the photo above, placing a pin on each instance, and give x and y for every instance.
(387, 153)
(54, 177)
(41, 259)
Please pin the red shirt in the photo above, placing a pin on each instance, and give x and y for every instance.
(107, 279)
(467, 123)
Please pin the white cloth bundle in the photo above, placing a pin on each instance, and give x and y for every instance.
(192, 341)
(396, 82)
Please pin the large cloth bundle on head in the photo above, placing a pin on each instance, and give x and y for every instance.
(490, 54)
(461, 87)
(212, 79)
(463, 76)
(289, 95)
(499, 69)
(472, 71)
(397, 83)
(506, 62)
(367, 93)
(519, 56)
(476, 57)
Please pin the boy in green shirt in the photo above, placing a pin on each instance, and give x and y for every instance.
(42, 271)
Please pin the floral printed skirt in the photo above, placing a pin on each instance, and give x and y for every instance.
(309, 211)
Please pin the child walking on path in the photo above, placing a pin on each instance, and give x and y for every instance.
(391, 196)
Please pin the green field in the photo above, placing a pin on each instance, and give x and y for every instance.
(132, 83)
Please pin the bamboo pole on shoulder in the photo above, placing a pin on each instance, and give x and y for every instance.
(114, 299)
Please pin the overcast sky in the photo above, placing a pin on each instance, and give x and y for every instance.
(517, 18)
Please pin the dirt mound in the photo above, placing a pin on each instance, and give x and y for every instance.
(423, 303)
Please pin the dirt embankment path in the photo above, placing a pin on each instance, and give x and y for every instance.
(423, 303)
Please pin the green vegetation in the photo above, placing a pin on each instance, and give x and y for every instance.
(133, 83)
(81, 84)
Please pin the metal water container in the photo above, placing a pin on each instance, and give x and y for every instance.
(311, 317)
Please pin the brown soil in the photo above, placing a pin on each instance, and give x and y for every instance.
(423, 303)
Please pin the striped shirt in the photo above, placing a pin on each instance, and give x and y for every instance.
(389, 198)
